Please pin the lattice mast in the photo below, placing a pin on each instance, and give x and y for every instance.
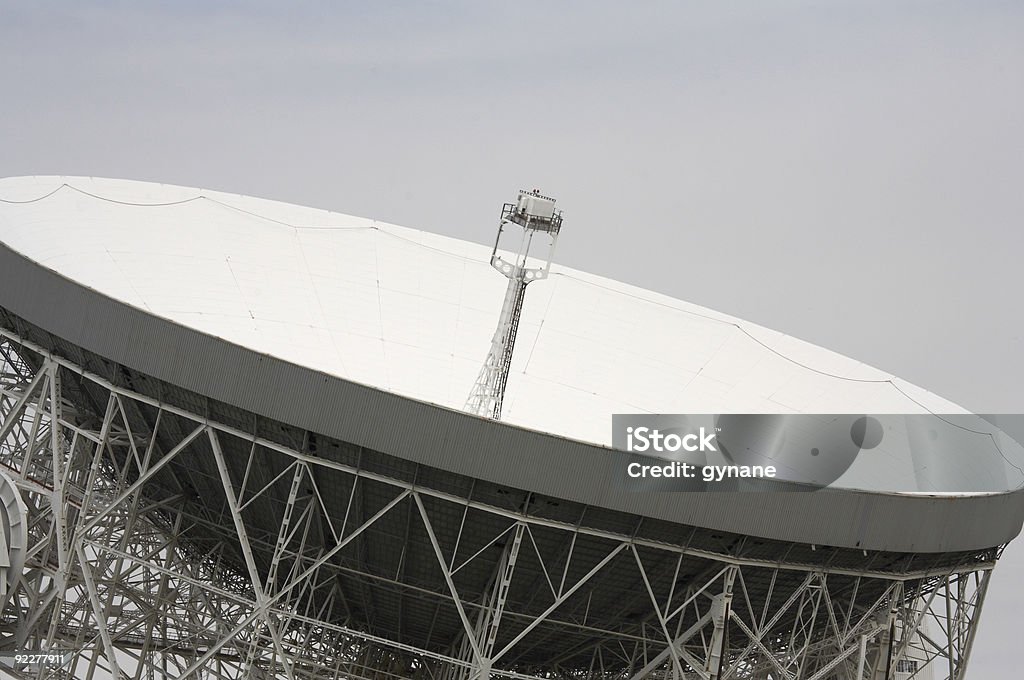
(532, 221)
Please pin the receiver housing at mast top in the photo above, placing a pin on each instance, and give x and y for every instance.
(531, 218)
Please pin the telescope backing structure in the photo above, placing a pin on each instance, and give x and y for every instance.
(235, 432)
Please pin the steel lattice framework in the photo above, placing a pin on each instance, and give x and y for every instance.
(165, 542)
(520, 268)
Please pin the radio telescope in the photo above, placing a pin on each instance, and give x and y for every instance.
(234, 443)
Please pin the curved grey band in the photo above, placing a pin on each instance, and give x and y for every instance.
(458, 442)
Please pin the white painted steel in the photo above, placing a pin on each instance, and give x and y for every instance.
(413, 312)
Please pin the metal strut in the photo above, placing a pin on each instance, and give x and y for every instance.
(489, 391)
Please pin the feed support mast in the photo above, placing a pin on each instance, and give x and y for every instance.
(530, 229)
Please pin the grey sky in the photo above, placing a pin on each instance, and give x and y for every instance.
(846, 172)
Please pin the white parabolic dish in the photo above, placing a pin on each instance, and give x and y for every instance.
(412, 312)
(409, 313)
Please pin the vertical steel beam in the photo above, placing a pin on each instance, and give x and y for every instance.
(246, 546)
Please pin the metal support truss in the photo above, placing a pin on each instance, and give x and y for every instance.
(120, 572)
(488, 392)
(535, 219)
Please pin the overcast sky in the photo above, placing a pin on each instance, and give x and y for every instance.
(851, 173)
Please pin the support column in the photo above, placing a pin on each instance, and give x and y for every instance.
(720, 607)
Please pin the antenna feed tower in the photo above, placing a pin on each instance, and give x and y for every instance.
(527, 234)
